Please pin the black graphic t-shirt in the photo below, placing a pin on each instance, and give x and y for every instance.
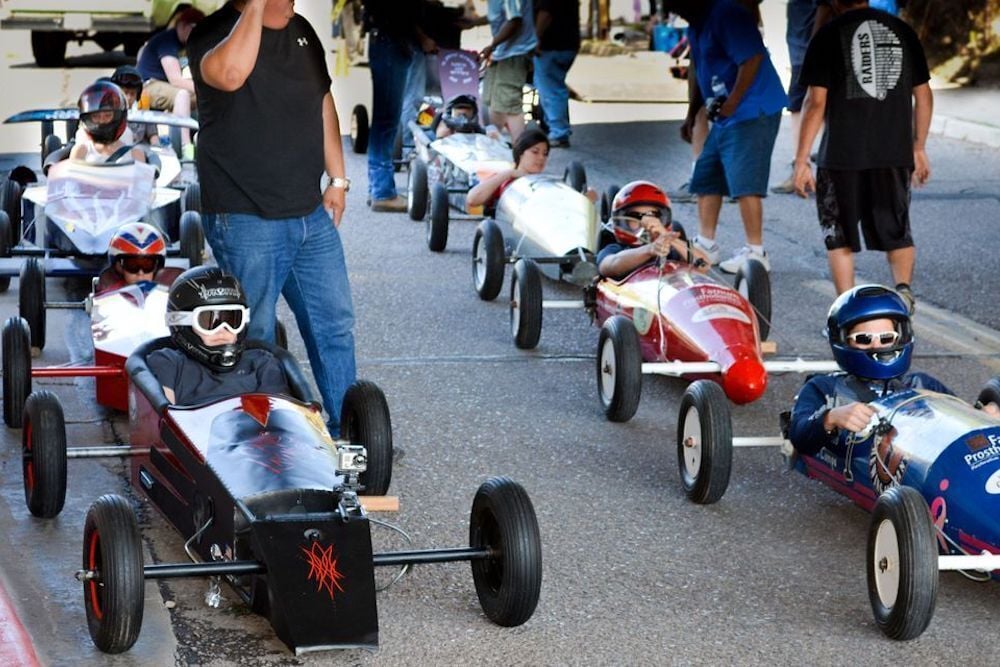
(869, 62)
(257, 371)
(260, 148)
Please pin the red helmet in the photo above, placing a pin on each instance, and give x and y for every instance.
(138, 245)
(103, 111)
(637, 193)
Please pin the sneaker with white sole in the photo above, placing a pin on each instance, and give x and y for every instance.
(733, 264)
(713, 251)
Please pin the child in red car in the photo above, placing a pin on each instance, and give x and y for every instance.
(136, 254)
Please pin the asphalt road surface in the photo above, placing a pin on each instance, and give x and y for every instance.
(633, 573)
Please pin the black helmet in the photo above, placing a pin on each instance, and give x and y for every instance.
(128, 78)
(101, 97)
(204, 299)
(458, 122)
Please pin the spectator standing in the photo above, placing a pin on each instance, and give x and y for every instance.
(864, 69)
(160, 66)
(269, 130)
(557, 27)
(736, 76)
(508, 58)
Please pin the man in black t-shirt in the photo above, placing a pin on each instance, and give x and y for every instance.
(864, 69)
(557, 25)
(269, 131)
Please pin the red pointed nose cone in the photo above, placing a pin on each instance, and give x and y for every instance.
(744, 381)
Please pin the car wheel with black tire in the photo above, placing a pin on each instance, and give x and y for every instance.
(488, 260)
(5, 234)
(416, 191)
(704, 442)
(16, 340)
(619, 369)
(607, 201)
(50, 144)
(10, 203)
(990, 393)
(192, 198)
(43, 454)
(576, 176)
(364, 420)
(509, 581)
(192, 238)
(114, 593)
(31, 299)
(526, 304)
(902, 563)
(439, 220)
(359, 129)
(754, 283)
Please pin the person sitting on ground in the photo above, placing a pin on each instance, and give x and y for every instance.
(208, 318)
(460, 116)
(643, 229)
(136, 254)
(530, 152)
(103, 115)
(160, 66)
(871, 336)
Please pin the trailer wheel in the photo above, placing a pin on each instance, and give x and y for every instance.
(526, 304)
(509, 582)
(364, 420)
(16, 369)
(902, 563)
(440, 219)
(359, 129)
(416, 191)
(49, 47)
(619, 369)
(31, 299)
(704, 442)
(192, 238)
(112, 548)
(488, 260)
(576, 176)
(192, 198)
(43, 450)
(754, 283)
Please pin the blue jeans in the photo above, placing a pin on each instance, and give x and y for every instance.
(302, 259)
(550, 80)
(389, 61)
(413, 93)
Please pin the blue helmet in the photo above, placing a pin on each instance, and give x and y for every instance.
(860, 304)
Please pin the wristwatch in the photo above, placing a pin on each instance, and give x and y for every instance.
(338, 182)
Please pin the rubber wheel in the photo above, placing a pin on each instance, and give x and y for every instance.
(280, 335)
(619, 369)
(440, 219)
(416, 191)
(16, 369)
(192, 198)
(576, 176)
(50, 144)
(49, 48)
(704, 442)
(176, 140)
(902, 563)
(31, 299)
(990, 392)
(359, 129)
(364, 420)
(10, 203)
(488, 260)
(526, 304)
(192, 238)
(5, 235)
(509, 582)
(43, 449)
(112, 548)
(607, 200)
(754, 283)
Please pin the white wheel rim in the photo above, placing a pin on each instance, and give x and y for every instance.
(515, 305)
(354, 127)
(479, 261)
(692, 443)
(886, 555)
(608, 370)
(409, 190)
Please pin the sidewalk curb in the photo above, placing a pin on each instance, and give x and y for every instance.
(15, 644)
(971, 131)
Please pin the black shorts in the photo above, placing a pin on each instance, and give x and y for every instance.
(879, 199)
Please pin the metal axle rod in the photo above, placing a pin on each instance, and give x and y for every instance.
(78, 371)
(104, 451)
(562, 304)
(984, 562)
(431, 556)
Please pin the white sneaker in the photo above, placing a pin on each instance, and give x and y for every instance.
(733, 264)
(713, 252)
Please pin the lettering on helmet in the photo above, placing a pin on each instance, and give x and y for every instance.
(207, 293)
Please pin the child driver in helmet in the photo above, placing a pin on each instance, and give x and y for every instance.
(136, 254)
(208, 318)
(103, 115)
(461, 115)
(872, 341)
(643, 230)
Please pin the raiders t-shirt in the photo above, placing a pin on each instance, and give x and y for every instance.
(193, 383)
(869, 62)
(260, 148)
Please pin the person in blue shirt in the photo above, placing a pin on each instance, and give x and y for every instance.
(740, 88)
(508, 57)
(871, 337)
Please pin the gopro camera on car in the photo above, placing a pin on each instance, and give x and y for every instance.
(351, 459)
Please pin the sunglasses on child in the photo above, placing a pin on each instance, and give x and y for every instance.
(883, 338)
(635, 217)
(139, 264)
(208, 320)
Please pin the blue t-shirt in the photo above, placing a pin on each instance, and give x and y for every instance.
(160, 46)
(499, 12)
(722, 38)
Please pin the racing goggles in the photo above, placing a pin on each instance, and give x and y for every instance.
(208, 320)
(883, 338)
(147, 264)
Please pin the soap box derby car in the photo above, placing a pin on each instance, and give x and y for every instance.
(264, 497)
